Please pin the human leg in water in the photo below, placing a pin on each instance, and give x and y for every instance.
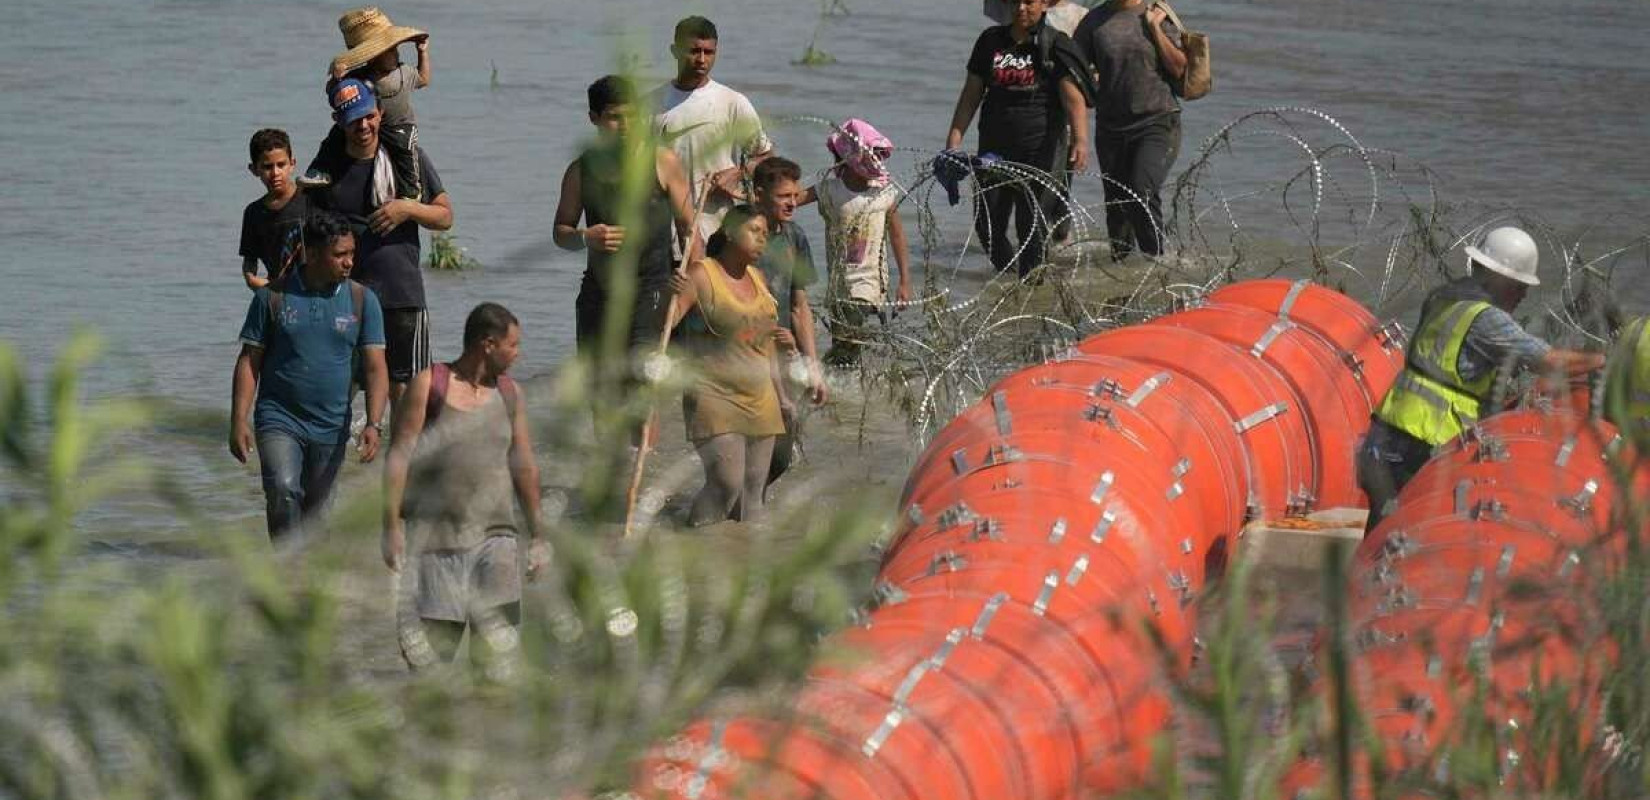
(723, 457)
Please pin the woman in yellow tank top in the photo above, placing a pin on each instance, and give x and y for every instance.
(732, 407)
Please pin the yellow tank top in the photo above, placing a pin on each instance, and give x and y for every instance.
(732, 390)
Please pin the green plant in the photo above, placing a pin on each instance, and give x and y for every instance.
(445, 254)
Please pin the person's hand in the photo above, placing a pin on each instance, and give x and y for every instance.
(902, 294)
(393, 544)
(369, 444)
(604, 238)
(1079, 160)
(422, 43)
(538, 557)
(786, 340)
(240, 440)
(1155, 16)
(730, 182)
(818, 391)
(390, 215)
(680, 284)
(336, 70)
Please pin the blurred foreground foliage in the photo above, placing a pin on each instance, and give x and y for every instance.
(236, 676)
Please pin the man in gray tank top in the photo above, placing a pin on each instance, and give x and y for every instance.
(460, 459)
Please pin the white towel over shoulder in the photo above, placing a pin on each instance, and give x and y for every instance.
(383, 178)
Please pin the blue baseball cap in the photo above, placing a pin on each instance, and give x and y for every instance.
(351, 100)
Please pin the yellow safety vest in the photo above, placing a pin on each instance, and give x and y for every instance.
(1627, 380)
(1429, 400)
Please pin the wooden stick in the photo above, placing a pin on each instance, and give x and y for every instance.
(633, 493)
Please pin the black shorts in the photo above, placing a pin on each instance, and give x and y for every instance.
(646, 324)
(406, 342)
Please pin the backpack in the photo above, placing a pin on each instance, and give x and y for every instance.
(276, 299)
(441, 375)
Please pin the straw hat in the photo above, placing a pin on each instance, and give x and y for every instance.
(369, 33)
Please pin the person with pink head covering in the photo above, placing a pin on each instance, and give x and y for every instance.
(860, 206)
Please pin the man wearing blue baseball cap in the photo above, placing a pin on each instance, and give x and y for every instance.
(387, 242)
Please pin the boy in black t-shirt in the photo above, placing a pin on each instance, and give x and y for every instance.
(272, 226)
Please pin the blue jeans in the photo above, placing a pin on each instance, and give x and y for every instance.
(1387, 459)
(298, 476)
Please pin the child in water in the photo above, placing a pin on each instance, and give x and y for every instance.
(860, 206)
(373, 56)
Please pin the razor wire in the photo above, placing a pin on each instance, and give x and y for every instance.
(1366, 221)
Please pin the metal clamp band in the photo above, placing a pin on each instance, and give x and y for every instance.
(1057, 533)
(1186, 547)
(1108, 386)
(914, 513)
(1565, 451)
(1271, 336)
(952, 639)
(1461, 489)
(710, 760)
(909, 685)
(1571, 561)
(1107, 519)
(999, 408)
(1504, 566)
(1289, 299)
(955, 515)
(1181, 467)
(949, 560)
(1247, 423)
(1175, 491)
(986, 530)
(1077, 569)
(1050, 583)
(887, 594)
(959, 460)
(1001, 454)
(1100, 489)
(880, 737)
(983, 622)
(1475, 586)
(1145, 389)
(1582, 503)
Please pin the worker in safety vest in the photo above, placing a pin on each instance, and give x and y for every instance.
(1627, 381)
(1466, 331)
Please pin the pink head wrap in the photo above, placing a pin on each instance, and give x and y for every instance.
(862, 149)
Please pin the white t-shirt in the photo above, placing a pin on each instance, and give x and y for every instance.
(711, 128)
(1063, 17)
(856, 237)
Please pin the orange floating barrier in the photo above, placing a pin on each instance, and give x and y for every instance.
(1050, 541)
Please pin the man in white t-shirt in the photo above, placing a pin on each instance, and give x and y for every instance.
(712, 128)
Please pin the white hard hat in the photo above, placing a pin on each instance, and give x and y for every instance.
(1508, 251)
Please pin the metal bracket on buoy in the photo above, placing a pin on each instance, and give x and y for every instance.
(1490, 509)
(1504, 566)
(1100, 413)
(1582, 504)
(955, 515)
(1098, 496)
(1146, 388)
(952, 562)
(1279, 328)
(1392, 335)
(1491, 448)
(999, 409)
(1182, 586)
(1461, 489)
(1001, 454)
(1107, 519)
(887, 594)
(1050, 583)
(1571, 561)
(1108, 387)
(982, 623)
(959, 460)
(1475, 586)
(1565, 451)
(1057, 533)
(1295, 292)
(1078, 567)
(986, 529)
(1247, 423)
(714, 755)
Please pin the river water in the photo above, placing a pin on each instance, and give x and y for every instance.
(123, 129)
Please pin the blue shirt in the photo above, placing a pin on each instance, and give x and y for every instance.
(304, 388)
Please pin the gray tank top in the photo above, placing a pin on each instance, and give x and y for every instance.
(460, 489)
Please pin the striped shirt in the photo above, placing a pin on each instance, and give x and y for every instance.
(1494, 339)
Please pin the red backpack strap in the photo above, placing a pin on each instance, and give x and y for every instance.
(441, 374)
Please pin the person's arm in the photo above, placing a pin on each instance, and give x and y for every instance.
(378, 393)
(247, 367)
(674, 178)
(570, 209)
(436, 215)
(1169, 53)
(1077, 116)
(423, 62)
(809, 195)
(684, 285)
(249, 273)
(409, 425)
(902, 255)
(1572, 362)
(524, 473)
(968, 102)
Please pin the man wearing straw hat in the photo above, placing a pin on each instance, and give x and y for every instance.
(387, 246)
(1466, 333)
(373, 58)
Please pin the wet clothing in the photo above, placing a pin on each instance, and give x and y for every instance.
(648, 249)
(461, 584)
(856, 238)
(460, 487)
(733, 389)
(406, 342)
(309, 351)
(1021, 108)
(298, 475)
(786, 266)
(712, 128)
(388, 264)
(1136, 163)
(1133, 88)
(274, 237)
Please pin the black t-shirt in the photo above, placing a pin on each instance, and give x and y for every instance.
(387, 264)
(1022, 105)
(273, 237)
